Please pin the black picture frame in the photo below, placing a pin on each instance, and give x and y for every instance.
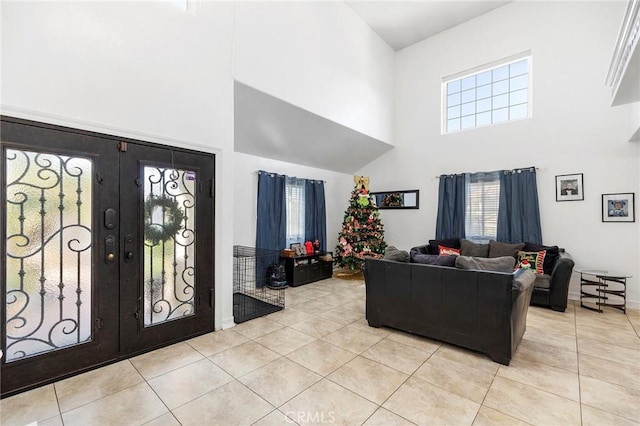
(406, 199)
(570, 187)
(619, 207)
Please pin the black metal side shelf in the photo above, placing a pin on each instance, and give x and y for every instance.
(307, 269)
(603, 288)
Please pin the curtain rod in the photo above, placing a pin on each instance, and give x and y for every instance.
(518, 169)
(295, 177)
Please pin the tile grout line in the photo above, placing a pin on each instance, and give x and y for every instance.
(402, 384)
(155, 393)
(575, 321)
(55, 392)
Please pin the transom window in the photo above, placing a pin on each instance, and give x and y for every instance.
(490, 95)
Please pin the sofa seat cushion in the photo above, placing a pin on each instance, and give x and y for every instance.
(433, 259)
(469, 248)
(496, 264)
(542, 281)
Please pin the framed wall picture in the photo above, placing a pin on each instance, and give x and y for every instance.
(397, 199)
(569, 187)
(619, 207)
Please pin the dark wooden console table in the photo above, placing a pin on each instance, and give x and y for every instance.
(307, 269)
(600, 288)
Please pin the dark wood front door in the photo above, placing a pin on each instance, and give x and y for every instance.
(107, 249)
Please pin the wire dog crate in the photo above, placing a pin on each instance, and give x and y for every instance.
(258, 286)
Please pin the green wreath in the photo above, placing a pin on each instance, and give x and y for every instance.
(173, 218)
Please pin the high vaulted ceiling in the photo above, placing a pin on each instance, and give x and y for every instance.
(403, 23)
(272, 128)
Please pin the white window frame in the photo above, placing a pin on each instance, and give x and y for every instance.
(479, 70)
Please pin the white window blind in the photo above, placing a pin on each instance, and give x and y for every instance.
(483, 196)
(295, 210)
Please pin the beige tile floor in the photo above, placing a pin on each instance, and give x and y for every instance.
(318, 361)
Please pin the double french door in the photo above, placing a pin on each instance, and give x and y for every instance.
(107, 249)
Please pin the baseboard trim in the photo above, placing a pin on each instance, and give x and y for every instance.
(228, 322)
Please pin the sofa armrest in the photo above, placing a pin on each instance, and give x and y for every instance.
(423, 249)
(521, 297)
(559, 282)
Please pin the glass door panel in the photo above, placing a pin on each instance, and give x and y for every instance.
(48, 252)
(169, 244)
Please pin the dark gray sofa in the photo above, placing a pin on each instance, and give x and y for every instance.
(480, 310)
(550, 289)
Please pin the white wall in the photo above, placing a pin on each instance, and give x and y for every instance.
(337, 188)
(573, 129)
(319, 56)
(148, 70)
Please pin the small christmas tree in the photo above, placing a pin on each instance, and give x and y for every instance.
(362, 232)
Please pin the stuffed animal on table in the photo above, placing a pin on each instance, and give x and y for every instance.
(309, 247)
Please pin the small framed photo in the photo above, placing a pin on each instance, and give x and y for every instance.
(569, 187)
(619, 207)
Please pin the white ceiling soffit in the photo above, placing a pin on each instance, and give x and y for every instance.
(403, 23)
(269, 127)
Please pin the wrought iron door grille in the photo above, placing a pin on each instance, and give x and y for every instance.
(170, 235)
(49, 245)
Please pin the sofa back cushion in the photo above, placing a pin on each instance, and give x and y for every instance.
(449, 242)
(392, 253)
(495, 264)
(433, 259)
(498, 249)
(469, 248)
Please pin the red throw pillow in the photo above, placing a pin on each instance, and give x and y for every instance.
(448, 251)
(533, 260)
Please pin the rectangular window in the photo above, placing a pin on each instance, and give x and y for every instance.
(295, 202)
(483, 196)
(487, 95)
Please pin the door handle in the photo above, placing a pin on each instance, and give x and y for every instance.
(129, 248)
(109, 249)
